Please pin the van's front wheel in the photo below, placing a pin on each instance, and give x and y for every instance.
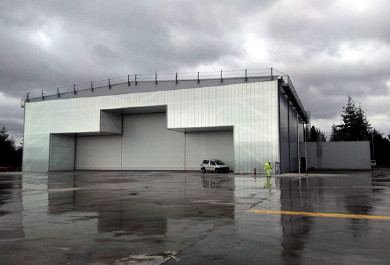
(203, 170)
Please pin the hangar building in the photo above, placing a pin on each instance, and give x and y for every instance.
(166, 123)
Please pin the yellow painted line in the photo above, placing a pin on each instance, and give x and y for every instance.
(333, 215)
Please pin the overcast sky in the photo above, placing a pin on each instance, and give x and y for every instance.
(330, 49)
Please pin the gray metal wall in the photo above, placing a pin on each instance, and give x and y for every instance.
(111, 122)
(289, 128)
(147, 144)
(337, 155)
(206, 145)
(293, 144)
(98, 152)
(284, 134)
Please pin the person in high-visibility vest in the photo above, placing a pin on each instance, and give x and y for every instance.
(268, 168)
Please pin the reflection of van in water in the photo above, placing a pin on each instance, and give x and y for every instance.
(214, 165)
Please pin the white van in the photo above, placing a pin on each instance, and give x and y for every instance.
(214, 165)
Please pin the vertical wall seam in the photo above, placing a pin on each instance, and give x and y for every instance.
(75, 152)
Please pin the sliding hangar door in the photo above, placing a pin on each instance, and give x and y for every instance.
(147, 144)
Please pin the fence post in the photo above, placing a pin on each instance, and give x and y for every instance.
(74, 89)
(246, 75)
(135, 79)
(91, 86)
(128, 80)
(109, 83)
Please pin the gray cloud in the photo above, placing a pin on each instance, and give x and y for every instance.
(330, 49)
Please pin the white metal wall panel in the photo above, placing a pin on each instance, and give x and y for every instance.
(98, 152)
(62, 152)
(148, 144)
(208, 145)
(251, 108)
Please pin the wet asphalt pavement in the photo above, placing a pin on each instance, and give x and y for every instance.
(193, 218)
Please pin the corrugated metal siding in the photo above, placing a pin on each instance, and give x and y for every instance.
(148, 145)
(338, 155)
(208, 145)
(293, 140)
(110, 122)
(62, 152)
(252, 108)
(98, 152)
(284, 137)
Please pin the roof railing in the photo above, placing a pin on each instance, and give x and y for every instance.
(135, 78)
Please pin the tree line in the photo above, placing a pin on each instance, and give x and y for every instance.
(10, 154)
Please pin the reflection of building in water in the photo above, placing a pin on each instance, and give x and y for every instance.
(258, 230)
(38, 219)
(334, 194)
(141, 206)
(11, 208)
(295, 195)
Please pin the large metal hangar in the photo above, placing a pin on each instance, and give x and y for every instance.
(167, 123)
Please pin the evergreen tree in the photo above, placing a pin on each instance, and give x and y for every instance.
(355, 126)
(10, 155)
(380, 147)
(7, 149)
(315, 134)
(336, 133)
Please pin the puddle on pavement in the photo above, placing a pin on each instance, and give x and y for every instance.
(106, 214)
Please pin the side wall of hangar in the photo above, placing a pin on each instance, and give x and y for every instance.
(245, 124)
